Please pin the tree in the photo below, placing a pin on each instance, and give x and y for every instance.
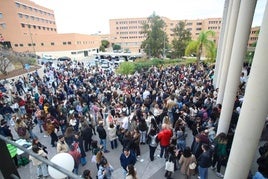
(156, 41)
(104, 44)
(6, 58)
(181, 39)
(116, 47)
(203, 43)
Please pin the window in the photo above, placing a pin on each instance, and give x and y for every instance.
(42, 44)
(26, 16)
(73, 53)
(30, 8)
(39, 27)
(52, 43)
(3, 25)
(33, 44)
(34, 26)
(64, 43)
(44, 28)
(32, 17)
(199, 23)
(16, 45)
(69, 43)
(24, 6)
(23, 25)
(29, 45)
(198, 28)
(29, 26)
(21, 45)
(1, 15)
(18, 4)
(20, 15)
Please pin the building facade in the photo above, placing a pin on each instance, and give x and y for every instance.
(27, 26)
(126, 32)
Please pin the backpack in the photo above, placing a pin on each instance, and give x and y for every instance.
(21, 131)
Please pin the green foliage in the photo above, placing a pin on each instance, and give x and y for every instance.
(116, 47)
(105, 43)
(102, 48)
(203, 43)
(156, 38)
(126, 68)
(181, 39)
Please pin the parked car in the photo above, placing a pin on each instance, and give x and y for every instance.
(64, 59)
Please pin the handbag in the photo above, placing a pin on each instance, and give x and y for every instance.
(169, 166)
(192, 166)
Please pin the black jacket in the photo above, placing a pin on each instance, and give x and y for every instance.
(101, 131)
(205, 160)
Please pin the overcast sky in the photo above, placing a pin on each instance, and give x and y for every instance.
(90, 17)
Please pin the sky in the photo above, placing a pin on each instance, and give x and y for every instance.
(92, 17)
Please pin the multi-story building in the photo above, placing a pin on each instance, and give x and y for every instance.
(126, 32)
(27, 26)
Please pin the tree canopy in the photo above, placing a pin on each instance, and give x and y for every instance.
(156, 41)
(182, 37)
(202, 44)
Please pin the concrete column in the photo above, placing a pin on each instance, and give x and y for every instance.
(228, 49)
(220, 43)
(226, 31)
(242, 33)
(253, 111)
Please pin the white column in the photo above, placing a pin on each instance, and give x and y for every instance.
(253, 111)
(228, 49)
(226, 31)
(242, 33)
(220, 42)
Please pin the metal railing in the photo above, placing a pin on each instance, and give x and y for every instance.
(38, 157)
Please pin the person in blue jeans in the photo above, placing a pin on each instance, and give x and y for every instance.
(204, 162)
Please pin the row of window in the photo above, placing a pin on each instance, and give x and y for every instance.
(130, 27)
(35, 18)
(38, 27)
(132, 22)
(214, 22)
(210, 28)
(190, 29)
(53, 43)
(26, 7)
(132, 37)
(190, 23)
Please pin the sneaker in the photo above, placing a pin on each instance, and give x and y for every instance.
(213, 168)
(138, 156)
(158, 156)
(45, 135)
(219, 175)
(198, 177)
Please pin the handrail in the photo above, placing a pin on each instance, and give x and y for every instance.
(55, 166)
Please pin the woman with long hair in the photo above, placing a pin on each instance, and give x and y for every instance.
(131, 172)
(220, 152)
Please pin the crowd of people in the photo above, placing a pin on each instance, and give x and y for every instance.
(161, 106)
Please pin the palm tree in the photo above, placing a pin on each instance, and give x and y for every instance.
(204, 42)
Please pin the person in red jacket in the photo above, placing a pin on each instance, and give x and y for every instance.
(164, 137)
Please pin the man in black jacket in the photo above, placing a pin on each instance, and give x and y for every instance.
(204, 162)
(102, 135)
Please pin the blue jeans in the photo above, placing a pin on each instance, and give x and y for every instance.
(103, 143)
(143, 136)
(163, 151)
(181, 145)
(203, 172)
